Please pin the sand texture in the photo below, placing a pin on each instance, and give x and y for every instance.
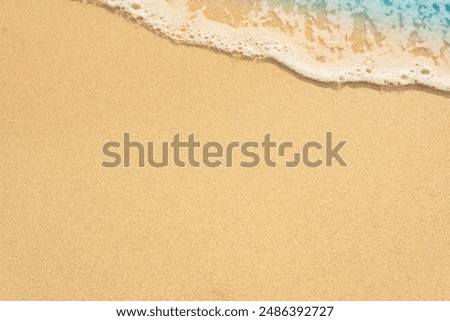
(74, 76)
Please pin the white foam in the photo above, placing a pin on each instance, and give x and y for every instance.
(403, 45)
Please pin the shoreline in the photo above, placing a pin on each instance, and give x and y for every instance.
(331, 84)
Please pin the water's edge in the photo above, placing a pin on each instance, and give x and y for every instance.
(441, 87)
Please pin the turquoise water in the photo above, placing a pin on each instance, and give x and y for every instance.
(396, 42)
(431, 18)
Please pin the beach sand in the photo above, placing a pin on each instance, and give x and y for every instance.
(74, 76)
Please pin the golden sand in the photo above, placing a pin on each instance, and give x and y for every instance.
(73, 76)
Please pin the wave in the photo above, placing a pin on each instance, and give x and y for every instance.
(396, 42)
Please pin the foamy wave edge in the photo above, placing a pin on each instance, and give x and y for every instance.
(382, 68)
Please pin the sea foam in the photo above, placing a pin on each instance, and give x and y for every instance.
(396, 42)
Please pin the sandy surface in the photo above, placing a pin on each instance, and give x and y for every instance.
(74, 76)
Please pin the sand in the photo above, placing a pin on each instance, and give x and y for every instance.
(74, 76)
